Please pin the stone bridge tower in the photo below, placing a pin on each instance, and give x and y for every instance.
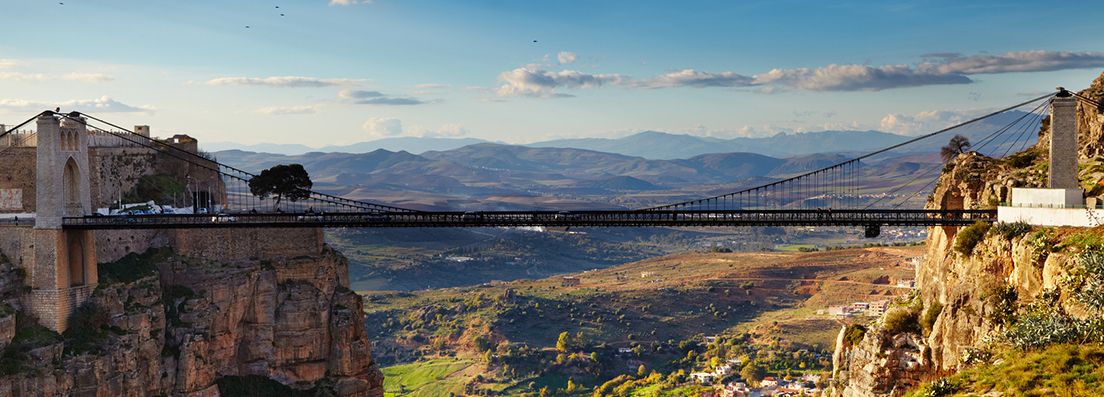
(64, 273)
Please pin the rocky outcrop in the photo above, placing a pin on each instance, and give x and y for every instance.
(966, 294)
(190, 322)
(884, 364)
(1090, 123)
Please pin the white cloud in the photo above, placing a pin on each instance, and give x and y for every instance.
(447, 131)
(533, 81)
(926, 121)
(349, 2)
(7, 63)
(934, 69)
(102, 104)
(364, 97)
(80, 77)
(387, 127)
(1017, 61)
(358, 94)
(856, 78)
(87, 77)
(430, 89)
(288, 110)
(382, 127)
(694, 78)
(282, 81)
(566, 57)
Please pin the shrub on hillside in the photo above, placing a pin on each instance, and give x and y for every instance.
(854, 334)
(1087, 240)
(1003, 300)
(1042, 244)
(940, 388)
(970, 236)
(1011, 230)
(927, 321)
(902, 319)
(1041, 327)
(1087, 280)
(1023, 159)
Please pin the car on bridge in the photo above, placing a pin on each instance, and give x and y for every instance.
(223, 218)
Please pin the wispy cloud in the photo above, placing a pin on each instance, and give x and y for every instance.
(87, 77)
(102, 104)
(80, 77)
(382, 127)
(926, 121)
(288, 110)
(7, 63)
(1020, 61)
(388, 127)
(566, 57)
(349, 2)
(934, 69)
(282, 81)
(365, 97)
(533, 81)
(694, 78)
(856, 78)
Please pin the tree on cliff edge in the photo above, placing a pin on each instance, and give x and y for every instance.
(282, 182)
(957, 145)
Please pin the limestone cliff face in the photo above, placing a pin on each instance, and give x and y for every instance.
(1091, 121)
(964, 290)
(188, 322)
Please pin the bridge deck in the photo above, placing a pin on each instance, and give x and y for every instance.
(717, 218)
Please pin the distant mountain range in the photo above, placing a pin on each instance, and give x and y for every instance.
(662, 145)
(475, 174)
(665, 146)
(649, 144)
(488, 175)
(398, 144)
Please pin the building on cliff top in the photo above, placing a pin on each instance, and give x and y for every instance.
(1062, 203)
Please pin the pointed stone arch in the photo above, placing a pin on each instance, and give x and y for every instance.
(70, 184)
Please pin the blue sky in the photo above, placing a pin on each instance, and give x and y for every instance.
(334, 72)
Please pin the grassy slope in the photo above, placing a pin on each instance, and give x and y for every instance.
(669, 295)
(430, 378)
(1058, 370)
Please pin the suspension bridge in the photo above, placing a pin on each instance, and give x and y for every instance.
(829, 196)
(59, 170)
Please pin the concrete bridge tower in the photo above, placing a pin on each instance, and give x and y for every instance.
(64, 273)
(1062, 203)
(1063, 142)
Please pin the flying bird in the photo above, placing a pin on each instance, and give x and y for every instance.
(247, 26)
(60, 3)
(534, 41)
(281, 14)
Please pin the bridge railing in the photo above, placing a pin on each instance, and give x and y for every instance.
(544, 218)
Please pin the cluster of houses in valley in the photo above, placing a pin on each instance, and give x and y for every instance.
(723, 370)
(872, 309)
(771, 386)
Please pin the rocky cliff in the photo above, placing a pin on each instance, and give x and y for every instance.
(967, 292)
(164, 324)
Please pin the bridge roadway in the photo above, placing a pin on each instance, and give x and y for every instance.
(613, 218)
